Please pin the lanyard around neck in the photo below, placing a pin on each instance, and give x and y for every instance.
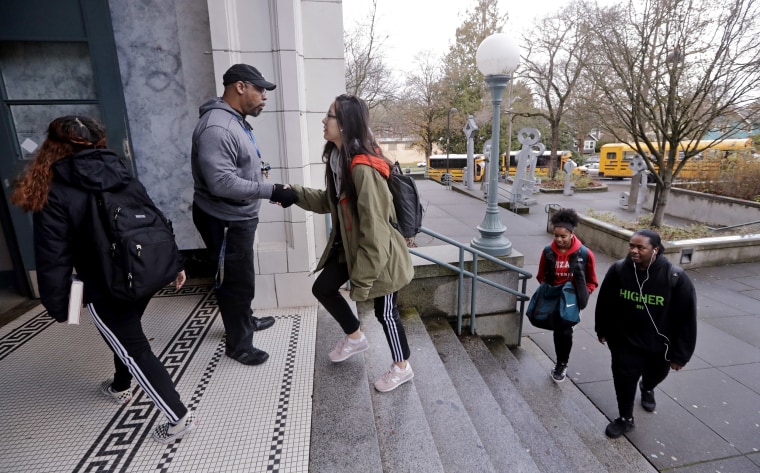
(249, 132)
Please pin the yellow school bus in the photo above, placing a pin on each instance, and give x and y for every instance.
(614, 158)
(542, 162)
(455, 163)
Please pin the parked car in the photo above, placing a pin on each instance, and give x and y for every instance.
(591, 170)
(422, 164)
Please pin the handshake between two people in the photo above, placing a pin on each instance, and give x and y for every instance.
(283, 195)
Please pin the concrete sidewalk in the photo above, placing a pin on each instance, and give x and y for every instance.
(708, 415)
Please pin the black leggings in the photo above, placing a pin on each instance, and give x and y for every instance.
(327, 291)
(563, 343)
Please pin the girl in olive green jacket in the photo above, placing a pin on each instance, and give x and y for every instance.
(363, 247)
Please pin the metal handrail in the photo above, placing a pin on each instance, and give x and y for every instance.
(731, 227)
(522, 276)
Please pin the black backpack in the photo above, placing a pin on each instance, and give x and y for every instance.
(137, 254)
(406, 199)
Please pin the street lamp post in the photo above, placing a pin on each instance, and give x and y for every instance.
(497, 58)
(447, 177)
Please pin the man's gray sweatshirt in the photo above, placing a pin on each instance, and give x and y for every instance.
(226, 164)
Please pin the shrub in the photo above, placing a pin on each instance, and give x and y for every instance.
(579, 182)
(667, 232)
(740, 180)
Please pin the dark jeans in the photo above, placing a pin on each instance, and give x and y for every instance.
(236, 284)
(119, 323)
(563, 343)
(327, 291)
(628, 365)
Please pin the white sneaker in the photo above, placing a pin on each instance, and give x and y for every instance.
(394, 378)
(346, 348)
(168, 433)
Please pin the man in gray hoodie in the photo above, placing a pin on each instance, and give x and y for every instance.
(229, 183)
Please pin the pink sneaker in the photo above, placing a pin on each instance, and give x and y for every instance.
(346, 348)
(394, 378)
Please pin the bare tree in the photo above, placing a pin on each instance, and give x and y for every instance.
(553, 63)
(668, 70)
(422, 106)
(367, 75)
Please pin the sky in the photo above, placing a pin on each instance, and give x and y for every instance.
(415, 26)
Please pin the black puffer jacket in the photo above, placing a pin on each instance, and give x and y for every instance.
(62, 241)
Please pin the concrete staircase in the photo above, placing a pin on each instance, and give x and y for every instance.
(474, 406)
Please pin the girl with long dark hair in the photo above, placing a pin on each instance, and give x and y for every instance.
(363, 247)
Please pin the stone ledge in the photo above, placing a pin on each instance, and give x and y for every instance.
(601, 188)
(695, 253)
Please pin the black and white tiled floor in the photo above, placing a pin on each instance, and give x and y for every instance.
(54, 419)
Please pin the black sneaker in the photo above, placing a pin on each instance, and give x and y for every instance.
(618, 427)
(647, 399)
(559, 373)
(252, 357)
(262, 323)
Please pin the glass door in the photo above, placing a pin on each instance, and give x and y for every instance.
(47, 70)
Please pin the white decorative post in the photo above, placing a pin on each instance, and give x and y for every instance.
(470, 128)
(569, 167)
(497, 58)
(525, 184)
(447, 177)
(638, 182)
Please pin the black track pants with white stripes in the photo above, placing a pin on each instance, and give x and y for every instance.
(120, 324)
(327, 291)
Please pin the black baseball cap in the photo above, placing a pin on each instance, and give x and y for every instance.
(246, 73)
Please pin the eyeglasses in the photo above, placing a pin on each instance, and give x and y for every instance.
(260, 90)
(330, 115)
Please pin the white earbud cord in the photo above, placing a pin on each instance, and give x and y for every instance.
(643, 301)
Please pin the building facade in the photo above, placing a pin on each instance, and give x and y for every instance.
(143, 68)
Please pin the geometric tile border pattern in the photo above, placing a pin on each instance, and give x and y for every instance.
(250, 418)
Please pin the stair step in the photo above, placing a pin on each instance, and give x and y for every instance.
(534, 437)
(497, 433)
(458, 444)
(544, 398)
(406, 442)
(343, 435)
(612, 452)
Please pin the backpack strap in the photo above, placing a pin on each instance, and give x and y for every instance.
(674, 271)
(550, 268)
(583, 253)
